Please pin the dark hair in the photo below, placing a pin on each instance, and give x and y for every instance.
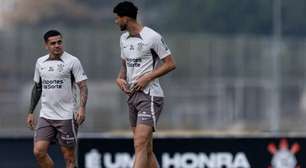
(51, 33)
(126, 8)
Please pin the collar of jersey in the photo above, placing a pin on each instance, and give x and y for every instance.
(135, 36)
(55, 59)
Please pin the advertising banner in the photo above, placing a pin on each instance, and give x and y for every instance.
(179, 152)
(198, 153)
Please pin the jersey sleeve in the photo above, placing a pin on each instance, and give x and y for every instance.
(36, 73)
(121, 49)
(78, 72)
(160, 47)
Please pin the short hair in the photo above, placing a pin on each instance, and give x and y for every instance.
(126, 8)
(51, 33)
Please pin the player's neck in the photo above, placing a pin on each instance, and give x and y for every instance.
(55, 57)
(135, 28)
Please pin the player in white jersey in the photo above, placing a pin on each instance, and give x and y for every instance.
(145, 57)
(54, 82)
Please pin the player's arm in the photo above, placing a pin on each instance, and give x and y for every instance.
(83, 93)
(122, 72)
(35, 96)
(83, 100)
(167, 66)
(121, 79)
(81, 80)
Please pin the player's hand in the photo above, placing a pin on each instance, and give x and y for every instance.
(142, 82)
(80, 116)
(31, 121)
(122, 84)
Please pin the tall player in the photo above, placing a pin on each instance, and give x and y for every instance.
(54, 78)
(145, 57)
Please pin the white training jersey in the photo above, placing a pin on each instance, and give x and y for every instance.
(58, 98)
(142, 53)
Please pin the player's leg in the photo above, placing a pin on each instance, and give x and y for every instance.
(132, 119)
(142, 138)
(149, 110)
(44, 134)
(69, 156)
(144, 111)
(152, 161)
(67, 138)
(40, 152)
(133, 130)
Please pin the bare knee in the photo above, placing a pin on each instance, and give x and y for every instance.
(141, 143)
(39, 152)
(142, 137)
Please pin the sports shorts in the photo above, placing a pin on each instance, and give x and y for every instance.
(144, 109)
(63, 132)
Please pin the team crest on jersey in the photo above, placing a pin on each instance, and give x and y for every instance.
(284, 157)
(51, 69)
(140, 46)
(60, 67)
(131, 47)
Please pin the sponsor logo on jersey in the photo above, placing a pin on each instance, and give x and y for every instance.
(133, 62)
(52, 84)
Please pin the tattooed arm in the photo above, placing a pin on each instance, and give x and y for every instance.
(83, 100)
(83, 93)
(35, 96)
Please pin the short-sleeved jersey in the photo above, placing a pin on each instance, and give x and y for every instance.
(58, 99)
(142, 53)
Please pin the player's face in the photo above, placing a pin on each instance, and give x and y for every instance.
(121, 21)
(55, 45)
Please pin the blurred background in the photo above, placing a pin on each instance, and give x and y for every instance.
(240, 64)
